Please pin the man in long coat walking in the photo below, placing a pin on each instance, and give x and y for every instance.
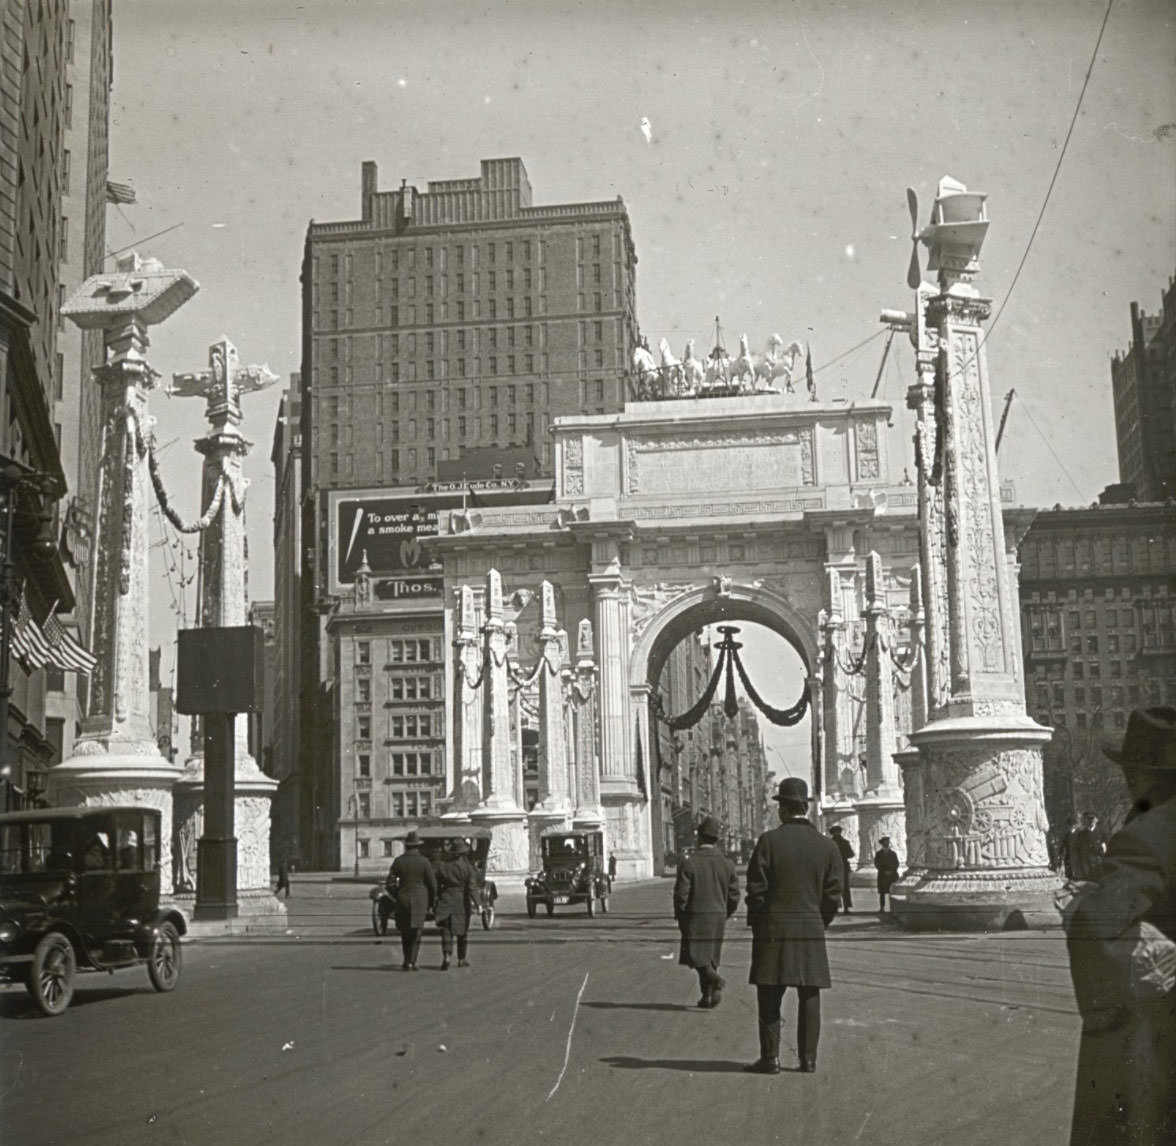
(413, 885)
(1121, 935)
(457, 898)
(793, 890)
(706, 893)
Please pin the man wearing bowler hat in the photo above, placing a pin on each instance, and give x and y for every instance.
(793, 891)
(413, 885)
(1121, 935)
(706, 893)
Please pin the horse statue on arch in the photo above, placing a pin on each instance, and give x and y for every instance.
(778, 362)
(693, 371)
(671, 369)
(647, 377)
(743, 368)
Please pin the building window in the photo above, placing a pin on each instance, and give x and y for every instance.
(363, 727)
(364, 764)
(363, 652)
(363, 689)
(364, 804)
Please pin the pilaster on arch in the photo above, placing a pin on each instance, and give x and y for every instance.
(712, 603)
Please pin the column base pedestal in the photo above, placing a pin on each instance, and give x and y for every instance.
(998, 900)
(510, 840)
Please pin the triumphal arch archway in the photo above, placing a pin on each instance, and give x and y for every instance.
(764, 507)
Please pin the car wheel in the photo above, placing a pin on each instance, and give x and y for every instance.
(165, 960)
(531, 905)
(379, 919)
(51, 976)
(550, 907)
(487, 917)
(604, 904)
(591, 905)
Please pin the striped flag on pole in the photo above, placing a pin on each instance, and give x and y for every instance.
(66, 652)
(28, 642)
(808, 372)
(119, 192)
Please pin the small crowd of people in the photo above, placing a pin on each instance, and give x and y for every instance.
(1078, 851)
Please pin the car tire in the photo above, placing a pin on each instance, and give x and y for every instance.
(52, 973)
(379, 919)
(550, 907)
(531, 905)
(166, 958)
(591, 905)
(487, 917)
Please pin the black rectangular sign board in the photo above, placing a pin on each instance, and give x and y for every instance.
(219, 670)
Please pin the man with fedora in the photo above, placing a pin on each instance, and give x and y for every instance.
(706, 893)
(457, 899)
(1121, 935)
(886, 864)
(847, 853)
(793, 890)
(413, 886)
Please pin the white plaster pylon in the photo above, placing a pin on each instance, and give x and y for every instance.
(116, 759)
(223, 601)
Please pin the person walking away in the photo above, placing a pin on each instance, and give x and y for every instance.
(1087, 849)
(847, 853)
(706, 894)
(1121, 938)
(886, 863)
(457, 897)
(283, 878)
(793, 889)
(413, 886)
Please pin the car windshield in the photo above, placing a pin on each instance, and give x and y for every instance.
(35, 848)
(557, 847)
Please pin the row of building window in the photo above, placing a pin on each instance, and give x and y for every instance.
(405, 463)
(400, 805)
(400, 688)
(398, 651)
(401, 726)
(399, 764)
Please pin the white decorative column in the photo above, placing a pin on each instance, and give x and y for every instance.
(983, 814)
(467, 714)
(836, 806)
(553, 765)
(116, 759)
(223, 603)
(626, 809)
(499, 808)
(582, 688)
(880, 811)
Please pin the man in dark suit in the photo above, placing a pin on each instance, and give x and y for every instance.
(793, 889)
(1121, 935)
(457, 899)
(706, 893)
(413, 885)
(847, 853)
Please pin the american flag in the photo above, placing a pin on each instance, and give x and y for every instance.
(808, 372)
(119, 192)
(28, 642)
(66, 652)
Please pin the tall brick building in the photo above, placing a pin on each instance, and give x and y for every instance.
(1144, 382)
(439, 326)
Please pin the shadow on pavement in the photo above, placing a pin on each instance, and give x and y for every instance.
(642, 1007)
(694, 1065)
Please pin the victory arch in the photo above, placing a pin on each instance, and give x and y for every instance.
(673, 515)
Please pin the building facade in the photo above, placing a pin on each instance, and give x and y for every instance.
(457, 319)
(1144, 384)
(1097, 603)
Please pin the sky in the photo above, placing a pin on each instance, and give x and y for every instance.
(771, 192)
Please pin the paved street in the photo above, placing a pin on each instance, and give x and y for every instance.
(318, 1037)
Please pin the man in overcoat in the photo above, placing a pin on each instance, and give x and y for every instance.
(886, 863)
(793, 889)
(847, 853)
(706, 893)
(1118, 927)
(457, 899)
(413, 885)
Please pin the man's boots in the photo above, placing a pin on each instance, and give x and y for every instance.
(769, 1059)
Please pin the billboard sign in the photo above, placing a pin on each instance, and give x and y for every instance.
(386, 532)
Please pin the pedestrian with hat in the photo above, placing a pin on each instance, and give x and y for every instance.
(793, 890)
(413, 887)
(457, 899)
(1121, 936)
(847, 853)
(886, 864)
(706, 894)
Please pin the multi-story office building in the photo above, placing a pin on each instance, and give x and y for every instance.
(54, 103)
(1097, 603)
(1144, 382)
(438, 324)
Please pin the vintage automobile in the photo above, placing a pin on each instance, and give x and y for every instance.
(435, 845)
(79, 889)
(573, 872)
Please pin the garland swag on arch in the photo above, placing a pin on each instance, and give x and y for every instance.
(728, 663)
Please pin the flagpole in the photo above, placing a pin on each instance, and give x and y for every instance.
(6, 637)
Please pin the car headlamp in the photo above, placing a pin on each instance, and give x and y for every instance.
(8, 931)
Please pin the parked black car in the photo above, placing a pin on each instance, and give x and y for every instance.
(79, 889)
(573, 872)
